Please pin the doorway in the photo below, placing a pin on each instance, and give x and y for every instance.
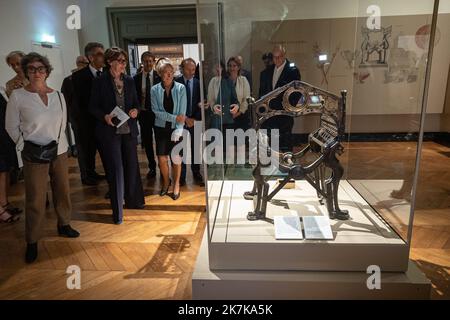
(166, 31)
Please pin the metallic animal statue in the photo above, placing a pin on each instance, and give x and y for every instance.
(324, 145)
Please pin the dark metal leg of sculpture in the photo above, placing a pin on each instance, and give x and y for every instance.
(333, 188)
(261, 203)
(319, 178)
(249, 195)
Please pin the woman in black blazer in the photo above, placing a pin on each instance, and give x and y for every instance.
(118, 146)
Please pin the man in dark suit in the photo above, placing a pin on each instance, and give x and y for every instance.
(67, 91)
(279, 74)
(193, 114)
(83, 122)
(144, 82)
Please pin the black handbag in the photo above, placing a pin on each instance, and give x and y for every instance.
(36, 153)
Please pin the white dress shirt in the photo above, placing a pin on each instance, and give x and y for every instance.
(28, 116)
(276, 74)
(94, 71)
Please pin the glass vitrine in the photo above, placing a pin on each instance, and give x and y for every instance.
(335, 99)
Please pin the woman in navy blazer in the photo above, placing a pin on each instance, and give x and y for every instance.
(169, 103)
(118, 146)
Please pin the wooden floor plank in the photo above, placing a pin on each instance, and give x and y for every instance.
(152, 254)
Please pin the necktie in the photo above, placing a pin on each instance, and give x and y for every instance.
(189, 98)
(148, 87)
(99, 73)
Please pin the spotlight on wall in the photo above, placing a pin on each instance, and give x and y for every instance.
(323, 58)
(47, 38)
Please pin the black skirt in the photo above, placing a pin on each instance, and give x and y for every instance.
(164, 143)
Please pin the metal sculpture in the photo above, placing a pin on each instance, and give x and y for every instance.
(324, 143)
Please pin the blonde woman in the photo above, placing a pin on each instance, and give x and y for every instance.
(169, 103)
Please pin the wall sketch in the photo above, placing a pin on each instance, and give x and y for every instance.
(361, 77)
(375, 46)
(403, 66)
(324, 66)
(350, 56)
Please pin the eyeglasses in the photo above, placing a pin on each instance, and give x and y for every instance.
(122, 61)
(41, 69)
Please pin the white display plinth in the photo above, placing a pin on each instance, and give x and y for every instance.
(240, 244)
(286, 285)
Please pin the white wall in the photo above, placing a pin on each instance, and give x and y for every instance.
(24, 21)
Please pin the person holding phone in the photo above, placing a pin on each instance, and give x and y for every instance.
(115, 90)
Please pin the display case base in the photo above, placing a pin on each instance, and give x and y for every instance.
(365, 239)
(296, 285)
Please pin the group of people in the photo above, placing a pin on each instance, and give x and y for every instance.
(159, 107)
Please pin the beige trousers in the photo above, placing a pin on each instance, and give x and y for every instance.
(36, 181)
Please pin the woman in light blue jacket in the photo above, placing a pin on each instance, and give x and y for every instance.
(169, 104)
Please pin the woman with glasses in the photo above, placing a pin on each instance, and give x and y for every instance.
(117, 140)
(242, 87)
(38, 113)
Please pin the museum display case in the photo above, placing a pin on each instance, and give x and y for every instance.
(317, 171)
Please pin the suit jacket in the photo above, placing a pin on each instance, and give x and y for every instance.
(288, 75)
(138, 82)
(196, 98)
(68, 92)
(82, 87)
(6, 144)
(103, 102)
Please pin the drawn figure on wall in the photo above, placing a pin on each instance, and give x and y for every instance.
(375, 42)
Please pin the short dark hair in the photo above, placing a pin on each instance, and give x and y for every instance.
(148, 54)
(235, 60)
(35, 57)
(90, 48)
(113, 54)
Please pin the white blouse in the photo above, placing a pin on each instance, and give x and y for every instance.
(28, 116)
(242, 93)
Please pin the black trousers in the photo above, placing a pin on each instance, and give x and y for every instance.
(194, 167)
(84, 131)
(122, 171)
(147, 122)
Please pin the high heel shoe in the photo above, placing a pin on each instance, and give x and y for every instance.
(165, 192)
(175, 197)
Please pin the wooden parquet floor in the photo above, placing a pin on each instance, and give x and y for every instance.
(152, 255)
